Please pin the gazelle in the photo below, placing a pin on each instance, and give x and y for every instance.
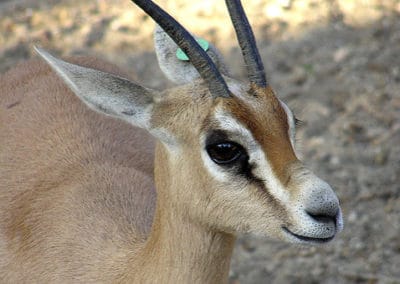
(78, 199)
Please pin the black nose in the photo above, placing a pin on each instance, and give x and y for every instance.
(323, 217)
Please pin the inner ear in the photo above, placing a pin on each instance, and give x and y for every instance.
(105, 92)
(111, 95)
(181, 71)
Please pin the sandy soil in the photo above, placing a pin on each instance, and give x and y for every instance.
(335, 62)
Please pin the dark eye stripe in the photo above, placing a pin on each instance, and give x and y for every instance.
(217, 136)
(236, 158)
(241, 166)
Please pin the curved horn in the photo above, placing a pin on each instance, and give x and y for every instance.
(198, 57)
(247, 42)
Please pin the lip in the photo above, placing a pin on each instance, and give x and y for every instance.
(308, 239)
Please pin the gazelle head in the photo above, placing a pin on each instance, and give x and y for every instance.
(226, 157)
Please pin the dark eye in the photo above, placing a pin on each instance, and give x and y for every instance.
(225, 152)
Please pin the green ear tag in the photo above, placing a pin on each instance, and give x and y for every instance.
(183, 57)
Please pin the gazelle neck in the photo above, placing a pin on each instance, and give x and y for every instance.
(178, 249)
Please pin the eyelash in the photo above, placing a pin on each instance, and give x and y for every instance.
(297, 122)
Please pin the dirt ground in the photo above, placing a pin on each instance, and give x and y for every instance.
(335, 62)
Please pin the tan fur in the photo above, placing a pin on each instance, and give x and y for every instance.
(77, 196)
(270, 128)
(77, 192)
(76, 185)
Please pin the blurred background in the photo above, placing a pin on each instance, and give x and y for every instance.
(336, 63)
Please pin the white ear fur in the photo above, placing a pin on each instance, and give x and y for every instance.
(104, 92)
(178, 71)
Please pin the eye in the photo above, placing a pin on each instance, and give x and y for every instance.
(226, 152)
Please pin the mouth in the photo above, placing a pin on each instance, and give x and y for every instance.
(307, 239)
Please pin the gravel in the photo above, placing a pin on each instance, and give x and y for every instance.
(336, 63)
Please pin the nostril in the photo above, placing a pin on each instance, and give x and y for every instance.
(322, 218)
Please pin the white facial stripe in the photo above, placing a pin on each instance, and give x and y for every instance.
(290, 119)
(263, 169)
(227, 123)
(240, 91)
(236, 88)
(231, 125)
(265, 172)
(216, 171)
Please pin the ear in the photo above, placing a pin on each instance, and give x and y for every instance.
(179, 71)
(106, 93)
